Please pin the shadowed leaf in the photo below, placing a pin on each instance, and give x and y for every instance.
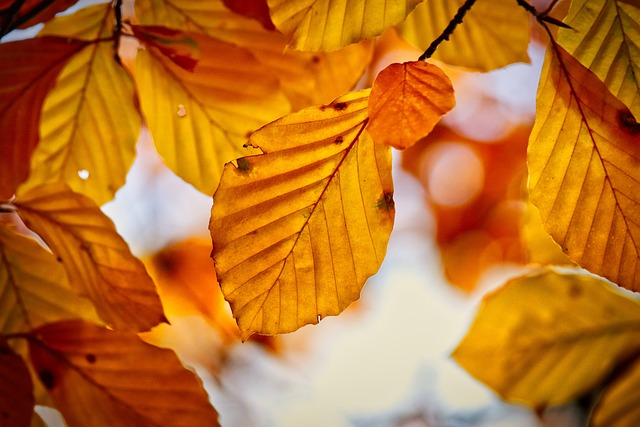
(174, 44)
(16, 389)
(30, 12)
(617, 406)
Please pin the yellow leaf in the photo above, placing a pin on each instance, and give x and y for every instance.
(199, 120)
(547, 338)
(33, 286)
(329, 25)
(16, 389)
(29, 70)
(617, 406)
(89, 124)
(99, 377)
(540, 247)
(406, 102)
(97, 260)
(604, 38)
(493, 33)
(305, 78)
(583, 170)
(297, 231)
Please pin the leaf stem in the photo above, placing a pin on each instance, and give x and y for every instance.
(117, 31)
(457, 19)
(543, 17)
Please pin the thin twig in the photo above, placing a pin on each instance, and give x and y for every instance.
(12, 14)
(117, 30)
(457, 19)
(543, 17)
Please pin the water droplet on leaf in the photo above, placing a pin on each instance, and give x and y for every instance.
(83, 174)
(182, 112)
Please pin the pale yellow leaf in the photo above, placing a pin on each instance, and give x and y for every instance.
(16, 389)
(583, 159)
(605, 37)
(99, 377)
(199, 120)
(617, 406)
(547, 338)
(493, 34)
(33, 286)
(97, 260)
(297, 231)
(328, 25)
(89, 123)
(305, 78)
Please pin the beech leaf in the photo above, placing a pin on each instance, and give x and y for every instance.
(99, 377)
(583, 170)
(174, 44)
(617, 406)
(16, 389)
(30, 12)
(406, 102)
(547, 338)
(298, 230)
(97, 260)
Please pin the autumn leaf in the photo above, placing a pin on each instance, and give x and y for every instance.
(16, 389)
(604, 39)
(256, 9)
(583, 174)
(33, 286)
(547, 338)
(306, 78)
(406, 102)
(97, 260)
(89, 124)
(174, 44)
(100, 377)
(24, 14)
(617, 406)
(493, 33)
(298, 230)
(29, 71)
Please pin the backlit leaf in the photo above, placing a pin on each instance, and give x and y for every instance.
(583, 170)
(99, 377)
(255, 9)
(547, 338)
(33, 286)
(97, 261)
(617, 406)
(493, 34)
(297, 231)
(406, 102)
(28, 72)
(306, 78)
(16, 389)
(30, 12)
(605, 39)
(329, 25)
(199, 120)
(89, 124)
(174, 44)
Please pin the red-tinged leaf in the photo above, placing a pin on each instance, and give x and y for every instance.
(99, 377)
(176, 45)
(406, 102)
(254, 9)
(16, 389)
(28, 72)
(97, 260)
(29, 13)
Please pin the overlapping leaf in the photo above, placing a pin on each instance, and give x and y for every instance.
(547, 338)
(306, 78)
(583, 170)
(100, 377)
(33, 286)
(617, 406)
(604, 38)
(89, 124)
(23, 14)
(406, 102)
(298, 230)
(493, 33)
(29, 70)
(97, 261)
(16, 389)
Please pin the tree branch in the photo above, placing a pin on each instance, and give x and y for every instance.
(457, 19)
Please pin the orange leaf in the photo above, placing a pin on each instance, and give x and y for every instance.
(16, 389)
(99, 377)
(406, 102)
(97, 260)
(29, 70)
(255, 9)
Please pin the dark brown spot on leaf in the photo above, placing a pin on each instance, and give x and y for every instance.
(47, 378)
(315, 59)
(244, 165)
(575, 291)
(386, 202)
(59, 259)
(91, 358)
(340, 106)
(628, 123)
(339, 140)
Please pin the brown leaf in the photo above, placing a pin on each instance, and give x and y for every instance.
(31, 12)
(16, 389)
(255, 9)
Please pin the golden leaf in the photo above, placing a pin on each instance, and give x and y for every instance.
(547, 338)
(89, 124)
(604, 39)
(97, 260)
(298, 230)
(406, 102)
(583, 160)
(199, 120)
(617, 406)
(329, 25)
(493, 34)
(28, 72)
(305, 78)
(99, 377)
(16, 389)
(33, 286)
